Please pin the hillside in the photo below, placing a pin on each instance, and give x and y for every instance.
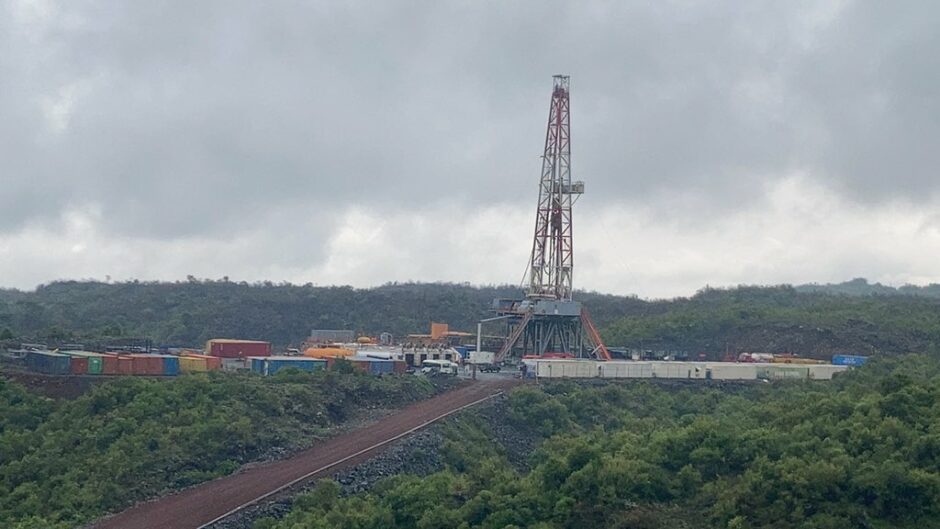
(859, 452)
(190, 312)
(806, 320)
(63, 463)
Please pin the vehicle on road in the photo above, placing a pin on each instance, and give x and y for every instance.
(439, 367)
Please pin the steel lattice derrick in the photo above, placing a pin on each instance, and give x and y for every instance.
(548, 320)
(552, 259)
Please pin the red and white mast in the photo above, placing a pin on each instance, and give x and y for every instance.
(552, 263)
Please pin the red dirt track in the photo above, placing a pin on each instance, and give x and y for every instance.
(199, 505)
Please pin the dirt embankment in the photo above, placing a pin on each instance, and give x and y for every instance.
(418, 454)
(56, 387)
(192, 508)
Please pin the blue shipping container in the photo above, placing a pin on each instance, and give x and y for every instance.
(171, 365)
(273, 364)
(48, 362)
(381, 367)
(849, 360)
(257, 364)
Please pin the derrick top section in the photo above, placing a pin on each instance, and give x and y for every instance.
(560, 85)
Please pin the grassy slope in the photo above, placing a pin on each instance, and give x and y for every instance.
(62, 463)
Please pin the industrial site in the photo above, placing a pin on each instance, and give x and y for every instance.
(335, 265)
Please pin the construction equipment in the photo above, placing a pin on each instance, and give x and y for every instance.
(548, 320)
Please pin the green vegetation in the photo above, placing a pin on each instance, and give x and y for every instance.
(862, 451)
(780, 319)
(813, 320)
(63, 463)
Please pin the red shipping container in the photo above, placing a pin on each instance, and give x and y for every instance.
(237, 348)
(78, 366)
(125, 365)
(400, 366)
(109, 365)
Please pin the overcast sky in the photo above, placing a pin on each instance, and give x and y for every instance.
(365, 142)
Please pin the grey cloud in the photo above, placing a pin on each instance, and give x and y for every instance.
(200, 119)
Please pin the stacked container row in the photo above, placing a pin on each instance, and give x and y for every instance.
(85, 363)
(682, 370)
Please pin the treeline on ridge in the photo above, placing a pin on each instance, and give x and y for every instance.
(809, 320)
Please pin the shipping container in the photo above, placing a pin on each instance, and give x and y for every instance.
(381, 367)
(125, 365)
(782, 371)
(359, 363)
(227, 348)
(849, 360)
(686, 370)
(95, 361)
(190, 364)
(731, 371)
(482, 357)
(256, 364)
(146, 364)
(170, 365)
(213, 363)
(109, 364)
(567, 368)
(48, 363)
(626, 370)
(273, 364)
(78, 365)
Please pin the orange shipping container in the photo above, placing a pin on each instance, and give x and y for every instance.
(147, 364)
(213, 363)
(109, 365)
(125, 365)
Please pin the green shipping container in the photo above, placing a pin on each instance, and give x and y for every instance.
(95, 361)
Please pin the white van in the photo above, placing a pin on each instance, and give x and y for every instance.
(439, 367)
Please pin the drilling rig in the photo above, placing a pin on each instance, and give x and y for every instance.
(548, 322)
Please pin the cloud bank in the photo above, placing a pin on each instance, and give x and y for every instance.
(358, 143)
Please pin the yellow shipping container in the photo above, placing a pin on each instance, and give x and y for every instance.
(191, 364)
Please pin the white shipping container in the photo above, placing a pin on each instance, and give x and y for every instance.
(732, 371)
(482, 357)
(688, 370)
(626, 370)
(567, 368)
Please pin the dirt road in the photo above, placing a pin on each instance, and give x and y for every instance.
(198, 506)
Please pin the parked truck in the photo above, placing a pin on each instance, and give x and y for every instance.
(485, 361)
